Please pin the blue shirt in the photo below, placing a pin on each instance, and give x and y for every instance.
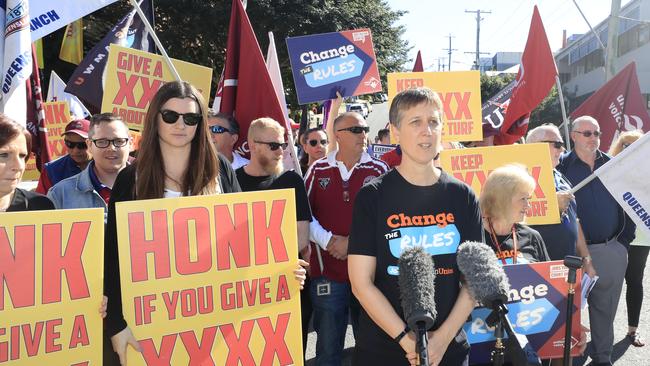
(597, 209)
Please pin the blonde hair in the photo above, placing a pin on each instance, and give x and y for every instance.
(501, 184)
(626, 138)
(261, 124)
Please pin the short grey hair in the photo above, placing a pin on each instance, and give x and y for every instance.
(576, 121)
(537, 134)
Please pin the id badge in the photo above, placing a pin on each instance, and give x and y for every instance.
(323, 289)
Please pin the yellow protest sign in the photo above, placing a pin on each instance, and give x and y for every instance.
(51, 280)
(31, 172)
(472, 166)
(460, 92)
(133, 77)
(209, 280)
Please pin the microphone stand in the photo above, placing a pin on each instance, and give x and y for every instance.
(422, 343)
(521, 352)
(573, 263)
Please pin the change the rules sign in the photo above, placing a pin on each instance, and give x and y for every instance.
(323, 64)
(209, 280)
(51, 280)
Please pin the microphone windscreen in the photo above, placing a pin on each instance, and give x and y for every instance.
(416, 285)
(484, 276)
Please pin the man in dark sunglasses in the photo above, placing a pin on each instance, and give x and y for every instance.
(607, 229)
(224, 130)
(76, 159)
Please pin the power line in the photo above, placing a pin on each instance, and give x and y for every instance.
(478, 33)
(449, 50)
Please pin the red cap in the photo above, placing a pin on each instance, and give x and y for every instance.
(79, 126)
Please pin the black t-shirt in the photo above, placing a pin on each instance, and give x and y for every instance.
(29, 201)
(288, 179)
(390, 215)
(530, 246)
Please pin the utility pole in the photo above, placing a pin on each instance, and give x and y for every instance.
(478, 32)
(449, 50)
(612, 40)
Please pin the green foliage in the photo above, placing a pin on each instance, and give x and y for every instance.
(490, 85)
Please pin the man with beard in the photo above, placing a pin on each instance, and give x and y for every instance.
(264, 172)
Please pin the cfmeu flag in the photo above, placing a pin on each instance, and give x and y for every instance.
(618, 106)
(86, 80)
(627, 183)
(247, 90)
(16, 46)
(535, 79)
(417, 67)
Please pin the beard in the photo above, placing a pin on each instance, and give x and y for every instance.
(271, 167)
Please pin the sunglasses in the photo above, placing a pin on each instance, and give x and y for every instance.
(190, 119)
(274, 145)
(216, 129)
(556, 144)
(79, 145)
(104, 143)
(313, 143)
(589, 133)
(356, 129)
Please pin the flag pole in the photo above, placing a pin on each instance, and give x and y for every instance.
(564, 117)
(145, 21)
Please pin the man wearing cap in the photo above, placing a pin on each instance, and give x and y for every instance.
(76, 160)
(224, 130)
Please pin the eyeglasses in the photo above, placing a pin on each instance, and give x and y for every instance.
(104, 143)
(190, 119)
(589, 133)
(313, 143)
(274, 145)
(556, 144)
(356, 129)
(79, 145)
(216, 129)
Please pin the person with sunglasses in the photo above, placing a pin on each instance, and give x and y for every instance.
(608, 232)
(314, 144)
(224, 131)
(109, 144)
(332, 184)
(76, 160)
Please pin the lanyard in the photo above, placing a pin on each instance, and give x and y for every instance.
(493, 236)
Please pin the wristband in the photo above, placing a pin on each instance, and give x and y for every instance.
(586, 258)
(401, 335)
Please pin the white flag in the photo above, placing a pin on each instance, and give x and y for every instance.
(16, 46)
(626, 177)
(50, 15)
(290, 158)
(56, 93)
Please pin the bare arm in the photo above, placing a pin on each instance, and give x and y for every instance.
(303, 239)
(329, 129)
(583, 251)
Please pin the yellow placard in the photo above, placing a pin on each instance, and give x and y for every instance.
(472, 166)
(31, 172)
(133, 77)
(51, 281)
(460, 92)
(209, 279)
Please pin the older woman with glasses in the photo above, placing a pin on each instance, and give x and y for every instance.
(637, 256)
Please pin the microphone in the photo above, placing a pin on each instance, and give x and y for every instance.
(489, 285)
(416, 285)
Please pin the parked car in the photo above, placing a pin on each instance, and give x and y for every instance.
(359, 108)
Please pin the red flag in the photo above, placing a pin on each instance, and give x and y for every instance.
(618, 106)
(418, 63)
(247, 87)
(36, 115)
(535, 79)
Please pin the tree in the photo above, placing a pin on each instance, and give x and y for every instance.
(491, 85)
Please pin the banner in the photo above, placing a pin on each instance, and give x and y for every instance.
(208, 280)
(48, 16)
(72, 46)
(36, 114)
(56, 92)
(57, 116)
(87, 80)
(494, 109)
(537, 304)
(323, 64)
(618, 106)
(377, 150)
(51, 281)
(460, 92)
(627, 181)
(133, 77)
(472, 166)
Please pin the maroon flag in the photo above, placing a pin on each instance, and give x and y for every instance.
(618, 106)
(418, 63)
(247, 91)
(535, 79)
(36, 115)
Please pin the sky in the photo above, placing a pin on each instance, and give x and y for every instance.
(505, 29)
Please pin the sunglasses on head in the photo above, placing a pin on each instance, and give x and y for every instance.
(79, 145)
(313, 143)
(274, 145)
(356, 129)
(216, 129)
(589, 133)
(190, 119)
(556, 144)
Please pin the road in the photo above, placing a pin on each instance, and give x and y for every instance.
(377, 119)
